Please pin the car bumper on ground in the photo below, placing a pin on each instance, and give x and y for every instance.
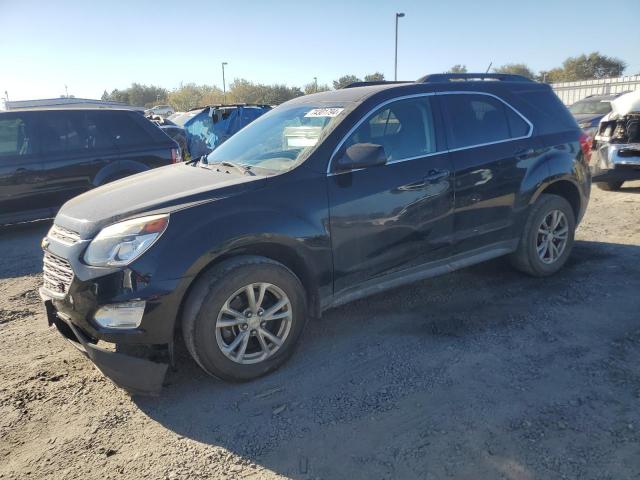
(136, 374)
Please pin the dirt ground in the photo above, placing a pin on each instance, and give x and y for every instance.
(484, 373)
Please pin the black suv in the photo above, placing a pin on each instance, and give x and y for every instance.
(325, 199)
(49, 156)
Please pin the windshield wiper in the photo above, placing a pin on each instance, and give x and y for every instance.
(244, 169)
(196, 161)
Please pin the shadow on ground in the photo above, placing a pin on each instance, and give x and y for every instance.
(471, 374)
(20, 247)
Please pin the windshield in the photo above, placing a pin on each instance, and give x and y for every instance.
(596, 107)
(280, 139)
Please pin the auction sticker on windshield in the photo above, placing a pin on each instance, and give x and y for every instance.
(324, 112)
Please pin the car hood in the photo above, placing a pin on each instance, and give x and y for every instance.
(160, 190)
(587, 117)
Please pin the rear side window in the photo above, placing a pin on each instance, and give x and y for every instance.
(127, 132)
(474, 119)
(404, 128)
(16, 138)
(98, 131)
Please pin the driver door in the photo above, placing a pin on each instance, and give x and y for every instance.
(390, 218)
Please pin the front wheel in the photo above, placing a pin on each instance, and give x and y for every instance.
(548, 236)
(244, 318)
(610, 186)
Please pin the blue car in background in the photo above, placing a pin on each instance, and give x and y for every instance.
(590, 110)
(206, 128)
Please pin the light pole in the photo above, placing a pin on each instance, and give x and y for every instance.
(395, 70)
(224, 85)
(315, 83)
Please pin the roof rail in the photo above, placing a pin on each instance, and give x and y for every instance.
(230, 105)
(373, 82)
(447, 77)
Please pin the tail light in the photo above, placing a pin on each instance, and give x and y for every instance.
(176, 155)
(585, 144)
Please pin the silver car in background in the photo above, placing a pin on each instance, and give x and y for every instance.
(616, 146)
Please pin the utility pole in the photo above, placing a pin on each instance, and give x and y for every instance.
(489, 67)
(395, 68)
(66, 91)
(224, 85)
(315, 83)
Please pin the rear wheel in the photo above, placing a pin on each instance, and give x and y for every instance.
(548, 236)
(244, 318)
(609, 186)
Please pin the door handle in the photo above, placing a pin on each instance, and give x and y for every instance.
(435, 175)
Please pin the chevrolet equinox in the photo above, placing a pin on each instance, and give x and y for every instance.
(323, 200)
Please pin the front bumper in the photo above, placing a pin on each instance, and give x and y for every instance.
(616, 162)
(134, 374)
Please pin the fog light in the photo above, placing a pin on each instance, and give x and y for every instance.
(120, 315)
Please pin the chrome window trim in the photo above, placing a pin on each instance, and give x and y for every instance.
(439, 152)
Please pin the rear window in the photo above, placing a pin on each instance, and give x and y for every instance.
(474, 119)
(545, 110)
(16, 138)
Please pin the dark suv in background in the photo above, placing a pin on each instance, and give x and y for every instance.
(323, 200)
(49, 156)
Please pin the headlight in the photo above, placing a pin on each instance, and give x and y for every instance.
(121, 243)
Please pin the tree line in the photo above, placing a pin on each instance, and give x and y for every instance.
(188, 96)
(191, 95)
(583, 67)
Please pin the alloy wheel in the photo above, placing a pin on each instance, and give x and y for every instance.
(254, 323)
(553, 235)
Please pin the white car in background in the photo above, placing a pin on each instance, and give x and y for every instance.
(162, 110)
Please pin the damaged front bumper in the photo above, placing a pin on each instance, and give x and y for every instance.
(135, 374)
(616, 162)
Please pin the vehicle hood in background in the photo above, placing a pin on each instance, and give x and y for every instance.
(627, 103)
(159, 190)
(587, 117)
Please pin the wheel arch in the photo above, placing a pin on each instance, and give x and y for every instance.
(118, 167)
(565, 188)
(280, 252)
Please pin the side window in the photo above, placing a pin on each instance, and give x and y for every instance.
(478, 119)
(16, 138)
(127, 132)
(61, 132)
(404, 128)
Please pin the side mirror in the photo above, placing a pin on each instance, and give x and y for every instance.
(361, 155)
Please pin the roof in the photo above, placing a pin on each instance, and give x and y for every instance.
(70, 108)
(65, 102)
(429, 83)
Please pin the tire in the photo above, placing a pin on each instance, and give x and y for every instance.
(609, 186)
(527, 257)
(203, 310)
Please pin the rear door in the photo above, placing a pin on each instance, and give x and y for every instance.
(491, 150)
(76, 145)
(391, 218)
(22, 195)
(142, 144)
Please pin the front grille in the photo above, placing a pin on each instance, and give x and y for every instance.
(63, 235)
(58, 274)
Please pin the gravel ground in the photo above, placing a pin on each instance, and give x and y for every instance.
(483, 373)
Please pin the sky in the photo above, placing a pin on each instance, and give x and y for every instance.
(92, 46)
